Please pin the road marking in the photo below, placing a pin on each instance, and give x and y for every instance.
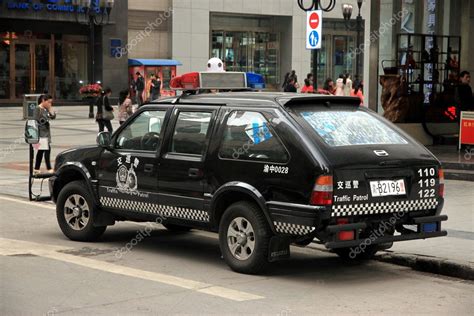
(48, 206)
(10, 247)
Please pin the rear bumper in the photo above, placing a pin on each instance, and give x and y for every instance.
(373, 239)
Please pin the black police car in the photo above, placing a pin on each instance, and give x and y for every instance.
(264, 170)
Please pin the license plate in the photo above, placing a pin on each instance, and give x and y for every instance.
(387, 187)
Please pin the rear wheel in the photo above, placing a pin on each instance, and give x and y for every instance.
(176, 228)
(76, 212)
(244, 238)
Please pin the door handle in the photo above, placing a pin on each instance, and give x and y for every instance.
(194, 173)
(148, 167)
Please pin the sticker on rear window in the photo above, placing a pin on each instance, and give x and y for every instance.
(345, 128)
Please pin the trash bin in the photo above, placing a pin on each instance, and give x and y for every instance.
(30, 102)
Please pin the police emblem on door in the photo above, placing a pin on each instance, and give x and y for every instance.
(126, 177)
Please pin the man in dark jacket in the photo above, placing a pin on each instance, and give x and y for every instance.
(463, 96)
(140, 87)
(155, 87)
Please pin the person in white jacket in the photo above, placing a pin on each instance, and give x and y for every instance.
(347, 85)
(340, 85)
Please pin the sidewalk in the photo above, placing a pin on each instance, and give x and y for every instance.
(73, 128)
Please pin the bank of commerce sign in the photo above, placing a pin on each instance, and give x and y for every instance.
(48, 5)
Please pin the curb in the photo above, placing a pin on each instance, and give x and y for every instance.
(462, 270)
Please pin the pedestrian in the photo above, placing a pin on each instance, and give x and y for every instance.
(294, 77)
(155, 87)
(285, 81)
(309, 76)
(43, 114)
(308, 87)
(463, 94)
(291, 86)
(132, 88)
(125, 106)
(347, 85)
(340, 83)
(139, 88)
(328, 87)
(358, 91)
(105, 112)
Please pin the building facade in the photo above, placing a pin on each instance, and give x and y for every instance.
(263, 36)
(44, 48)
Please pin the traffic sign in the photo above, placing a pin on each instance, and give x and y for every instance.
(314, 23)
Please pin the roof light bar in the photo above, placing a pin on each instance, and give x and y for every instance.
(217, 81)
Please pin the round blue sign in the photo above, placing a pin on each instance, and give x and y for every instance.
(313, 38)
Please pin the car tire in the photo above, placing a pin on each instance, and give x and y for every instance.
(176, 228)
(348, 253)
(76, 212)
(244, 238)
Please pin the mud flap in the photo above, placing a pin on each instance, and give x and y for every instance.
(279, 248)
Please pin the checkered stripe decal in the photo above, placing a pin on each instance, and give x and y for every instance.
(383, 207)
(162, 210)
(292, 229)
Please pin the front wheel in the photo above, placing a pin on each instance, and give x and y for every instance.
(244, 238)
(75, 212)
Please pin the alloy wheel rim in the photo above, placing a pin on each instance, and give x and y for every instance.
(241, 238)
(76, 212)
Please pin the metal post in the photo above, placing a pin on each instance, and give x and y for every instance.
(315, 70)
(32, 156)
(359, 29)
(92, 60)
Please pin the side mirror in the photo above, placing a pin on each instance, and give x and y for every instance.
(104, 139)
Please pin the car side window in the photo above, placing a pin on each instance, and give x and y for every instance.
(247, 136)
(143, 133)
(190, 133)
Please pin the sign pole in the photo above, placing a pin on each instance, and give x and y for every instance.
(313, 40)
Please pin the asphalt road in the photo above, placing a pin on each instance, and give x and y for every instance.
(139, 269)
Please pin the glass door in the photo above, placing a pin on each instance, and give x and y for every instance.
(5, 69)
(32, 68)
(342, 62)
(23, 69)
(41, 70)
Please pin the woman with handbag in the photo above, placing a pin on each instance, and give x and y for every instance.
(125, 106)
(43, 113)
(105, 112)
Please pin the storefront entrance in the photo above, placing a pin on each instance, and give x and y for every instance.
(31, 68)
(41, 64)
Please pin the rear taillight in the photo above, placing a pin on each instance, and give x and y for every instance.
(322, 192)
(441, 182)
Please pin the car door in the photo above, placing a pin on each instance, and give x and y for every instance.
(182, 179)
(128, 170)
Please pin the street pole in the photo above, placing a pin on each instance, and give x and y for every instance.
(91, 62)
(316, 5)
(359, 26)
(315, 70)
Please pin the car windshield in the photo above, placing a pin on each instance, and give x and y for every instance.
(347, 128)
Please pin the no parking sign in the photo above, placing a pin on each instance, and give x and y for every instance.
(314, 21)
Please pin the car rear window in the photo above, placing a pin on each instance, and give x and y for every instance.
(347, 128)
